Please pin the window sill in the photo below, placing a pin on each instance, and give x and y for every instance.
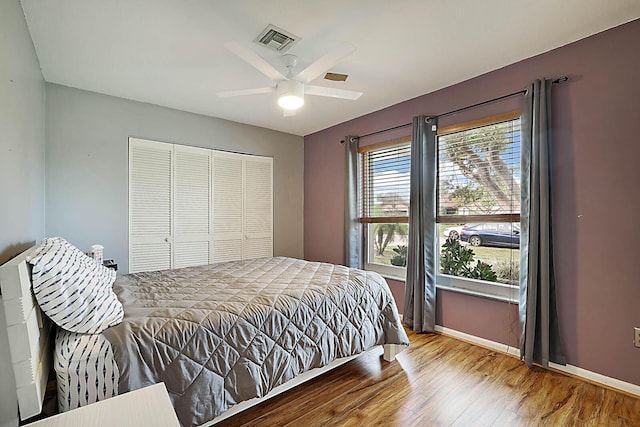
(510, 300)
(511, 296)
(393, 277)
(387, 271)
(492, 290)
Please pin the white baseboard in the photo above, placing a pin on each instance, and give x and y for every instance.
(575, 371)
(482, 342)
(597, 378)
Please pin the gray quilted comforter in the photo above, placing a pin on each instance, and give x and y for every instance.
(223, 333)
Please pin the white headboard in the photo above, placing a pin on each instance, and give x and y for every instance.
(29, 333)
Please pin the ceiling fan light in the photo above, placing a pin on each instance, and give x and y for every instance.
(290, 102)
(290, 94)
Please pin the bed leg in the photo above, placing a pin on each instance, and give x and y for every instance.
(390, 351)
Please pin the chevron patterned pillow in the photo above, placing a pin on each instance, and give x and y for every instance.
(72, 289)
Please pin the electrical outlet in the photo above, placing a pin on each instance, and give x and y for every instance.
(636, 339)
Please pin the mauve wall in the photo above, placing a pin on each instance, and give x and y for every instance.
(596, 152)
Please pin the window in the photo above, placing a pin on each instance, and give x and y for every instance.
(385, 205)
(478, 205)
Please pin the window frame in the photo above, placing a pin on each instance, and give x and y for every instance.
(388, 271)
(494, 290)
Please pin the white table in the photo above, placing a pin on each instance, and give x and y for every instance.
(149, 406)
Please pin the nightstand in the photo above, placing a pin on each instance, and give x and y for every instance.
(149, 406)
(109, 263)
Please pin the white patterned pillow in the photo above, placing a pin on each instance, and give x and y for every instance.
(72, 289)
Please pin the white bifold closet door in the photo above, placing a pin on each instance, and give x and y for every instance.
(242, 206)
(258, 207)
(228, 209)
(192, 206)
(150, 205)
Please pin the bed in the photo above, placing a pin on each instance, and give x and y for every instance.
(221, 337)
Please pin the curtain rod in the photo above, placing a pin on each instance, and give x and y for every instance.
(559, 80)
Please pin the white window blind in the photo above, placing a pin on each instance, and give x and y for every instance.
(386, 183)
(479, 174)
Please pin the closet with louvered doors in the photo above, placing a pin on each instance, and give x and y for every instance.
(191, 206)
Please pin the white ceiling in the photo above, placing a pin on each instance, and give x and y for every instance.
(170, 52)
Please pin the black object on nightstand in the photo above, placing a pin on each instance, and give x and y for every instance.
(109, 263)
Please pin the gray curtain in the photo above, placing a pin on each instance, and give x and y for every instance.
(352, 227)
(540, 339)
(420, 285)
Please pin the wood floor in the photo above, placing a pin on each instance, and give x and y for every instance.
(440, 381)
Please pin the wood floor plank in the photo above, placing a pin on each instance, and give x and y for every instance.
(441, 381)
(337, 382)
(509, 419)
(342, 409)
(624, 406)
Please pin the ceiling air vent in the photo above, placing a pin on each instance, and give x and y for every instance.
(336, 77)
(276, 39)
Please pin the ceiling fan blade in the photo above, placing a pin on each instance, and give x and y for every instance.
(253, 59)
(331, 92)
(242, 92)
(325, 62)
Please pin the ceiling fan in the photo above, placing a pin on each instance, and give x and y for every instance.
(292, 87)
